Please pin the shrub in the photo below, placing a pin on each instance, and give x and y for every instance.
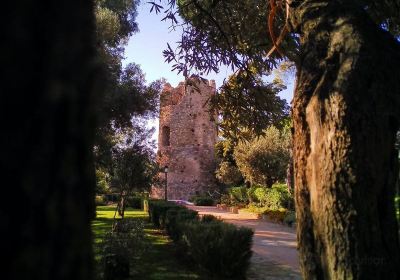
(238, 194)
(276, 215)
(122, 246)
(209, 219)
(203, 201)
(134, 202)
(99, 200)
(158, 211)
(273, 198)
(175, 221)
(220, 248)
(290, 218)
(251, 193)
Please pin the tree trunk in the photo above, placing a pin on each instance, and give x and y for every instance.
(346, 114)
(48, 57)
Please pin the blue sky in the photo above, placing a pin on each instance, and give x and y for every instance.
(145, 48)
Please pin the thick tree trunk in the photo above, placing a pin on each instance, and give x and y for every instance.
(47, 53)
(346, 114)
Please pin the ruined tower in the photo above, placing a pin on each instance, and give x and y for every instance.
(186, 139)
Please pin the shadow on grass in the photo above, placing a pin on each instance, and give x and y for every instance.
(161, 259)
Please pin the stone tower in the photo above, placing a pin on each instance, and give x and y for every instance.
(186, 139)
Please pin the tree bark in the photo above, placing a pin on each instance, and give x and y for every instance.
(47, 137)
(346, 114)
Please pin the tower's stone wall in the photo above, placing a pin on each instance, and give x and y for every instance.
(186, 140)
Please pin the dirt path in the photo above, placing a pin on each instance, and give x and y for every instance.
(274, 246)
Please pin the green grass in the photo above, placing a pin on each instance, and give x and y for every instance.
(160, 261)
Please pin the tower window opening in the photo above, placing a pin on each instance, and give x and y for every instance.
(165, 139)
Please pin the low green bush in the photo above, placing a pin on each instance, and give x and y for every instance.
(209, 219)
(176, 219)
(274, 198)
(276, 215)
(121, 247)
(238, 195)
(158, 211)
(221, 248)
(203, 201)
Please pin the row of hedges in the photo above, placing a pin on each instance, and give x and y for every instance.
(222, 249)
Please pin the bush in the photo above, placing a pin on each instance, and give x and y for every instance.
(122, 246)
(220, 248)
(209, 219)
(276, 215)
(134, 202)
(203, 201)
(273, 198)
(238, 195)
(158, 211)
(290, 218)
(175, 221)
(99, 200)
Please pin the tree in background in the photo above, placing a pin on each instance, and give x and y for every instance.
(134, 167)
(345, 106)
(264, 159)
(247, 105)
(127, 102)
(228, 174)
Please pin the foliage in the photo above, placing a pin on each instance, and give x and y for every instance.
(264, 159)
(203, 201)
(102, 181)
(228, 174)
(175, 221)
(273, 198)
(221, 248)
(134, 168)
(159, 261)
(134, 202)
(290, 218)
(99, 200)
(127, 99)
(238, 195)
(158, 211)
(121, 247)
(234, 33)
(248, 105)
(276, 215)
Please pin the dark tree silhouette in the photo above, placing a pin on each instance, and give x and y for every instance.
(47, 130)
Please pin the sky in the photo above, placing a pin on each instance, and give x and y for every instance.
(145, 48)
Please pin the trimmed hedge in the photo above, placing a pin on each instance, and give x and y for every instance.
(203, 201)
(176, 221)
(158, 211)
(221, 248)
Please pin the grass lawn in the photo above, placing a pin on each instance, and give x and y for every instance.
(160, 261)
